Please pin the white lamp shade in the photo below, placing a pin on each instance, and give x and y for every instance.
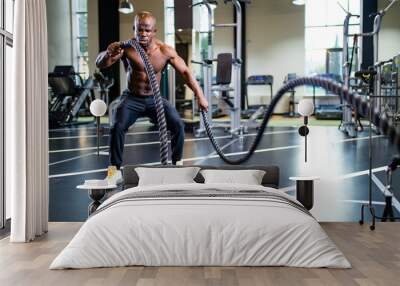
(306, 107)
(98, 107)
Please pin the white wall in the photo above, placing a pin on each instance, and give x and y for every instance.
(126, 23)
(275, 43)
(389, 38)
(59, 32)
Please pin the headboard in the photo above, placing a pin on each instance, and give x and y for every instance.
(270, 179)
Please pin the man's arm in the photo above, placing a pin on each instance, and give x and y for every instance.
(109, 56)
(179, 64)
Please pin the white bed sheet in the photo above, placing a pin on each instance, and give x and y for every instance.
(200, 232)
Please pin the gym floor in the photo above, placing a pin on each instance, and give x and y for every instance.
(340, 162)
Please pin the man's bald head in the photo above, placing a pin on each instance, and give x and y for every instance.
(144, 16)
(145, 28)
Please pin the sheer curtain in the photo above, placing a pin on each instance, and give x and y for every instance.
(27, 124)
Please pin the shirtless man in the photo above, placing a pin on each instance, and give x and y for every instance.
(137, 100)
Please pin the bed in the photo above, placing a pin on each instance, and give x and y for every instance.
(201, 224)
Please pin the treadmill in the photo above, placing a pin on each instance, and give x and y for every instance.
(328, 111)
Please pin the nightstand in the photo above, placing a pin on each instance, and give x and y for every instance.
(96, 193)
(305, 190)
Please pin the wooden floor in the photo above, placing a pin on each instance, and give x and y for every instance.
(374, 255)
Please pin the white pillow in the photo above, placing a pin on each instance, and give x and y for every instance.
(247, 177)
(164, 176)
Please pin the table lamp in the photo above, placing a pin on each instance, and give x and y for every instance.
(98, 108)
(306, 108)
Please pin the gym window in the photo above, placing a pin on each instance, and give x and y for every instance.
(169, 14)
(324, 35)
(80, 34)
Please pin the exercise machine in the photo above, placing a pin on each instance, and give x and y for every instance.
(292, 102)
(389, 90)
(103, 85)
(253, 113)
(69, 95)
(348, 124)
(377, 25)
(257, 80)
(234, 105)
(388, 213)
(388, 210)
(327, 111)
(207, 59)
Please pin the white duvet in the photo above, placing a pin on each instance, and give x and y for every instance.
(190, 231)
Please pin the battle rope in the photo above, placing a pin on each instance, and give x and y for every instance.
(359, 103)
(162, 124)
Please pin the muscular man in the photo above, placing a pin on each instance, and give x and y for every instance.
(137, 100)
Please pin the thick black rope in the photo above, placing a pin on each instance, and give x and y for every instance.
(360, 104)
(162, 124)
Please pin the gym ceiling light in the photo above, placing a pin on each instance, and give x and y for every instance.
(299, 2)
(125, 7)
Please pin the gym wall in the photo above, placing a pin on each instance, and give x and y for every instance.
(389, 39)
(275, 43)
(59, 33)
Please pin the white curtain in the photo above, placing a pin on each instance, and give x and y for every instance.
(27, 124)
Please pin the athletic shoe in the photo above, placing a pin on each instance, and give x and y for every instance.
(178, 163)
(114, 176)
(119, 178)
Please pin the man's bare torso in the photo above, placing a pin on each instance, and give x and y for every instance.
(138, 82)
